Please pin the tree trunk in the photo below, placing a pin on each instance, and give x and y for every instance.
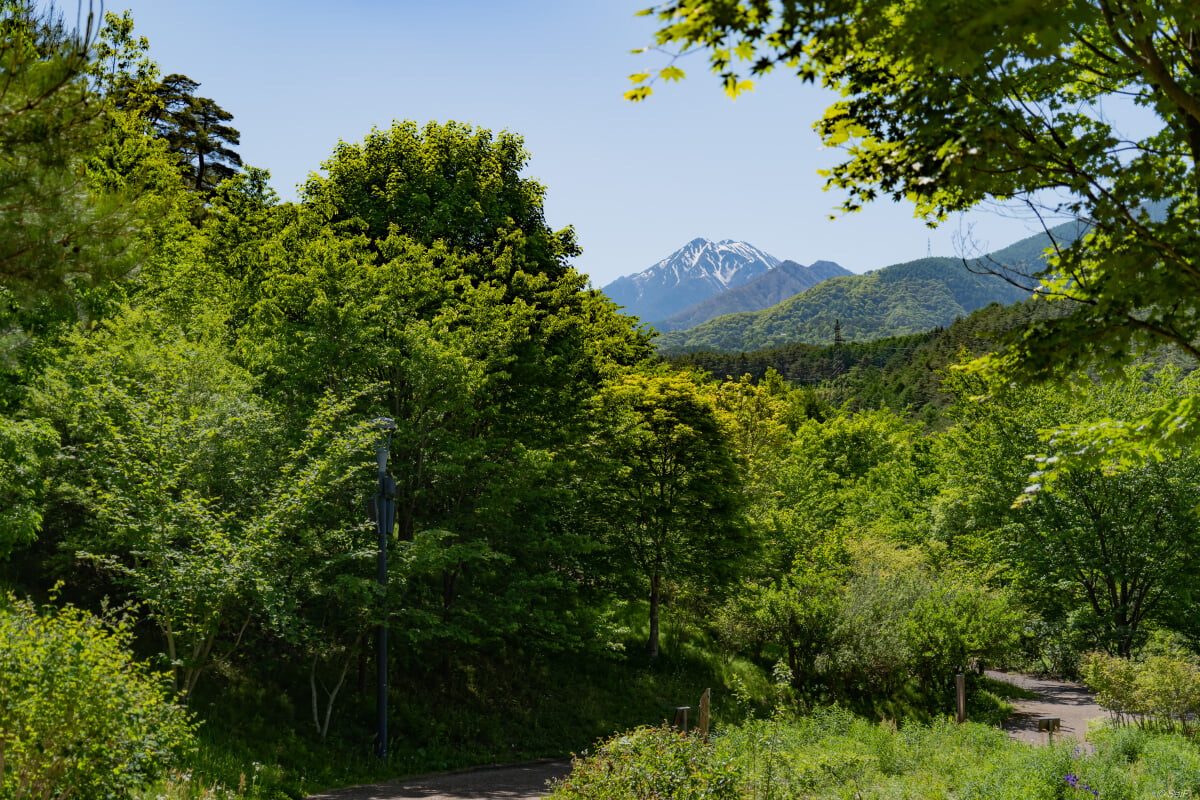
(199, 170)
(652, 642)
(794, 664)
(331, 694)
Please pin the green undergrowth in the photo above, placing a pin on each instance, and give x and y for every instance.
(257, 739)
(987, 701)
(1006, 690)
(833, 753)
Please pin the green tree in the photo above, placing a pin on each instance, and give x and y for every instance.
(448, 182)
(1014, 102)
(195, 130)
(484, 349)
(667, 485)
(204, 141)
(1108, 551)
(24, 447)
(78, 716)
(318, 595)
(94, 178)
(60, 232)
(173, 455)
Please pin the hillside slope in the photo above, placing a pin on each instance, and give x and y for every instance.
(771, 288)
(898, 300)
(894, 301)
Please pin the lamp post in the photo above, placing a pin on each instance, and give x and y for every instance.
(385, 516)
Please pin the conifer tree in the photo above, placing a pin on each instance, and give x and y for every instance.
(195, 128)
(58, 232)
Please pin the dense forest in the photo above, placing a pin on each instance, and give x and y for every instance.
(585, 536)
(903, 373)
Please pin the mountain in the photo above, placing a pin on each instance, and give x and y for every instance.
(893, 301)
(901, 372)
(693, 273)
(773, 286)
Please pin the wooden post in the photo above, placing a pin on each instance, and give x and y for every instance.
(960, 690)
(704, 701)
(1049, 725)
(680, 720)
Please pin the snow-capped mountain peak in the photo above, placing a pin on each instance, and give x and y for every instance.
(694, 272)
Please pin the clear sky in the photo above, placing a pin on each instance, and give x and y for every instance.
(636, 180)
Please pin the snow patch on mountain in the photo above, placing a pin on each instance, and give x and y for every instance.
(698, 270)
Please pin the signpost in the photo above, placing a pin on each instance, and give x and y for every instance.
(960, 692)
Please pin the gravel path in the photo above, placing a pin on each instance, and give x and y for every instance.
(1073, 704)
(516, 782)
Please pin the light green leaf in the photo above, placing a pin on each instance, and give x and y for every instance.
(672, 73)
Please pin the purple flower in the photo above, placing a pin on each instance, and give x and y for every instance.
(1073, 779)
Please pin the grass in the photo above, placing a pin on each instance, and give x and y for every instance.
(836, 754)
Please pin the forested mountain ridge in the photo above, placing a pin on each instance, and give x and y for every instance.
(894, 301)
(692, 274)
(785, 280)
(898, 300)
(904, 373)
(899, 372)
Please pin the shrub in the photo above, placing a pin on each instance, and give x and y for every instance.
(1114, 680)
(954, 623)
(78, 716)
(652, 762)
(1163, 690)
(1168, 689)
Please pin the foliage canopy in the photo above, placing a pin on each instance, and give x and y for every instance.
(1014, 103)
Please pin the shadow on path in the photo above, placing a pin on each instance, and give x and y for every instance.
(1072, 703)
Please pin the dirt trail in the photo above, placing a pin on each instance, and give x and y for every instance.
(516, 782)
(1072, 703)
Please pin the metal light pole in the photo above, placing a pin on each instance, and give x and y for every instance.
(385, 516)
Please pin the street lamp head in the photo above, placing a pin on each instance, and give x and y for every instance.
(385, 426)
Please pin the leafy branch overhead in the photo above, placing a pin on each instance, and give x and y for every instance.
(947, 105)
(734, 85)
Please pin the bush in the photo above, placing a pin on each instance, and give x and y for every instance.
(652, 762)
(78, 716)
(1114, 680)
(1163, 690)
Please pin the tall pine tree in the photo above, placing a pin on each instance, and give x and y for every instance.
(195, 128)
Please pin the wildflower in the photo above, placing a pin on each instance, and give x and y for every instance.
(1075, 783)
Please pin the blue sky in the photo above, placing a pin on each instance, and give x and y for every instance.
(636, 180)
